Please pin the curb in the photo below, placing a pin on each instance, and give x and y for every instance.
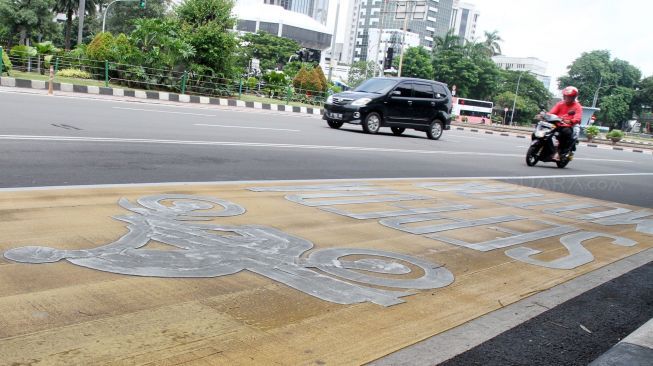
(636, 349)
(154, 95)
(644, 150)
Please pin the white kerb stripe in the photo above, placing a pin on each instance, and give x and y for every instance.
(223, 101)
(7, 81)
(119, 92)
(140, 94)
(204, 100)
(93, 89)
(258, 105)
(38, 84)
(240, 103)
(164, 96)
(302, 109)
(184, 98)
(65, 87)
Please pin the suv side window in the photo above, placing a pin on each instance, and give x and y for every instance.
(440, 91)
(423, 91)
(406, 90)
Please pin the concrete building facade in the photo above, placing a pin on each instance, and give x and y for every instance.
(532, 64)
(464, 18)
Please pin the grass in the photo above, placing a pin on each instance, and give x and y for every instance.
(254, 98)
(57, 79)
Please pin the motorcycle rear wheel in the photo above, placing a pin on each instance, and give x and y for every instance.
(562, 163)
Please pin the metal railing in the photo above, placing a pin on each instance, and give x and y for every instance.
(107, 73)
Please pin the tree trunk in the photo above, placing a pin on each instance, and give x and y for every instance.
(69, 26)
(23, 36)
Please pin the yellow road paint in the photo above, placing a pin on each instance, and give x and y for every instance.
(61, 313)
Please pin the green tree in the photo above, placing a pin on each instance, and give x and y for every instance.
(207, 25)
(529, 87)
(27, 18)
(525, 108)
(359, 72)
(417, 63)
(160, 43)
(70, 7)
(271, 50)
(121, 16)
(595, 69)
(644, 96)
(451, 66)
(292, 68)
(616, 107)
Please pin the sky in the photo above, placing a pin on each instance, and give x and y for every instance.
(559, 31)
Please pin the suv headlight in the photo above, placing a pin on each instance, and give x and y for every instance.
(361, 102)
(329, 99)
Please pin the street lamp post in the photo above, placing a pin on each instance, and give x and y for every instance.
(512, 114)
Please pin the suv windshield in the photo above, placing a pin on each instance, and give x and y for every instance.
(378, 86)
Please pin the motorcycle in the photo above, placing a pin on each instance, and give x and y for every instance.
(545, 143)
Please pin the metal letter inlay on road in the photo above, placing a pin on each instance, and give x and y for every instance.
(208, 250)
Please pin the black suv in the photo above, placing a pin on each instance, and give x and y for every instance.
(398, 103)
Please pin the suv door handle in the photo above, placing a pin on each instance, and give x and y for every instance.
(433, 104)
(410, 102)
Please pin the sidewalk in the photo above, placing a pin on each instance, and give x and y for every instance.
(153, 95)
(634, 350)
(525, 133)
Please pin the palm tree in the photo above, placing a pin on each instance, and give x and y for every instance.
(491, 43)
(70, 7)
(449, 41)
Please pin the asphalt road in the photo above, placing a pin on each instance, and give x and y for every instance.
(52, 141)
(59, 141)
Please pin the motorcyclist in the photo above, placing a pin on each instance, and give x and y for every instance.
(570, 111)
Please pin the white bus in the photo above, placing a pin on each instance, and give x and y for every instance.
(476, 111)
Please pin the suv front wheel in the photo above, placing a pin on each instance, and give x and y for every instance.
(334, 124)
(435, 130)
(372, 123)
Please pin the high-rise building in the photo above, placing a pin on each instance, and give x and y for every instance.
(316, 9)
(464, 18)
(533, 65)
(426, 18)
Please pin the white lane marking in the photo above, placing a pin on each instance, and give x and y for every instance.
(260, 144)
(254, 128)
(469, 137)
(170, 112)
(295, 181)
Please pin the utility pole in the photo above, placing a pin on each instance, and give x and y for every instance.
(596, 93)
(80, 15)
(333, 42)
(378, 43)
(403, 41)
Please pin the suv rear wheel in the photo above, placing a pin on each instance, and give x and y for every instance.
(397, 130)
(372, 123)
(435, 130)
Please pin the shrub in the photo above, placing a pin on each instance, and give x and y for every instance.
(74, 73)
(6, 63)
(101, 47)
(592, 131)
(615, 135)
(23, 52)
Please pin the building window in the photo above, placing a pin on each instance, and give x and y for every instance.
(246, 26)
(272, 28)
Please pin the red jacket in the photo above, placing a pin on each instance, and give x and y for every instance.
(562, 110)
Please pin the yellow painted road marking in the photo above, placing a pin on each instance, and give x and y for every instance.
(60, 313)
